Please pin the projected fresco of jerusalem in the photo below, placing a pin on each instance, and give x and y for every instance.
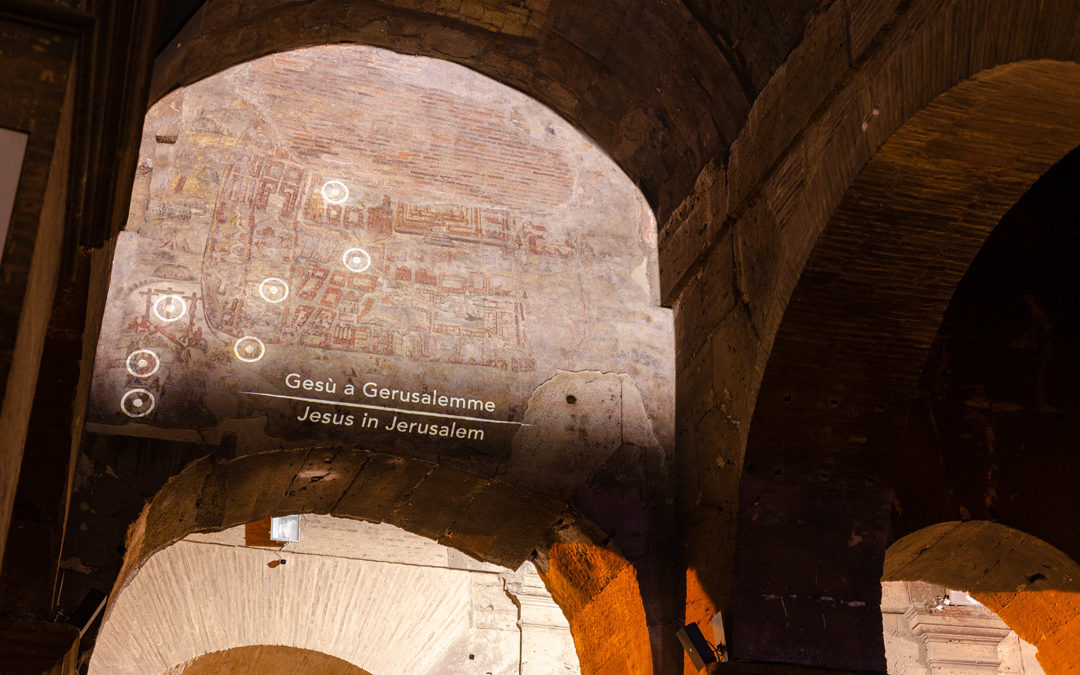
(291, 217)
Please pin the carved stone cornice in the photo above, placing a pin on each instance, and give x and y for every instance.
(959, 639)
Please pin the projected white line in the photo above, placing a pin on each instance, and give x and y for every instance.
(368, 406)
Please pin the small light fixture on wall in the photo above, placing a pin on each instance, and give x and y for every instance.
(285, 529)
(699, 649)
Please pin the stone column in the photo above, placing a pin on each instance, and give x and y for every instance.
(547, 647)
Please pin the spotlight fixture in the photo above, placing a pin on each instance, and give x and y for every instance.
(285, 529)
(700, 650)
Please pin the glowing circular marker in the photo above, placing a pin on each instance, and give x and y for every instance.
(249, 349)
(137, 403)
(356, 259)
(142, 363)
(334, 191)
(273, 289)
(169, 308)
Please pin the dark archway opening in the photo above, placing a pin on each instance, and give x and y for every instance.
(994, 430)
(832, 419)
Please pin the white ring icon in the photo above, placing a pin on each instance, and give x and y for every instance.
(249, 349)
(169, 308)
(356, 259)
(273, 289)
(142, 363)
(335, 192)
(137, 403)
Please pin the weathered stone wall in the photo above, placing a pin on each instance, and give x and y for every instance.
(500, 247)
(60, 61)
(506, 260)
(663, 87)
(851, 74)
(41, 101)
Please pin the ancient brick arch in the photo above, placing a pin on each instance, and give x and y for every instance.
(855, 334)
(601, 67)
(734, 252)
(492, 521)
(1032, 586)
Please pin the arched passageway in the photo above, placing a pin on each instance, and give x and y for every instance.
(830, 421)
(1032, 586)
(371, 595)
(734, 252)
(996, 411)
(769, 203)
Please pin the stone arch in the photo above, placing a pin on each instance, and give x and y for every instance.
(849, 350)
(600, 67)
(734, 251)
(487, 519)
(1032, 586)
(267, 658)
(1003, 353)
(369, 594)
(577, 567)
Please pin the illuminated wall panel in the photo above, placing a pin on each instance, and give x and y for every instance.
(345, 245)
